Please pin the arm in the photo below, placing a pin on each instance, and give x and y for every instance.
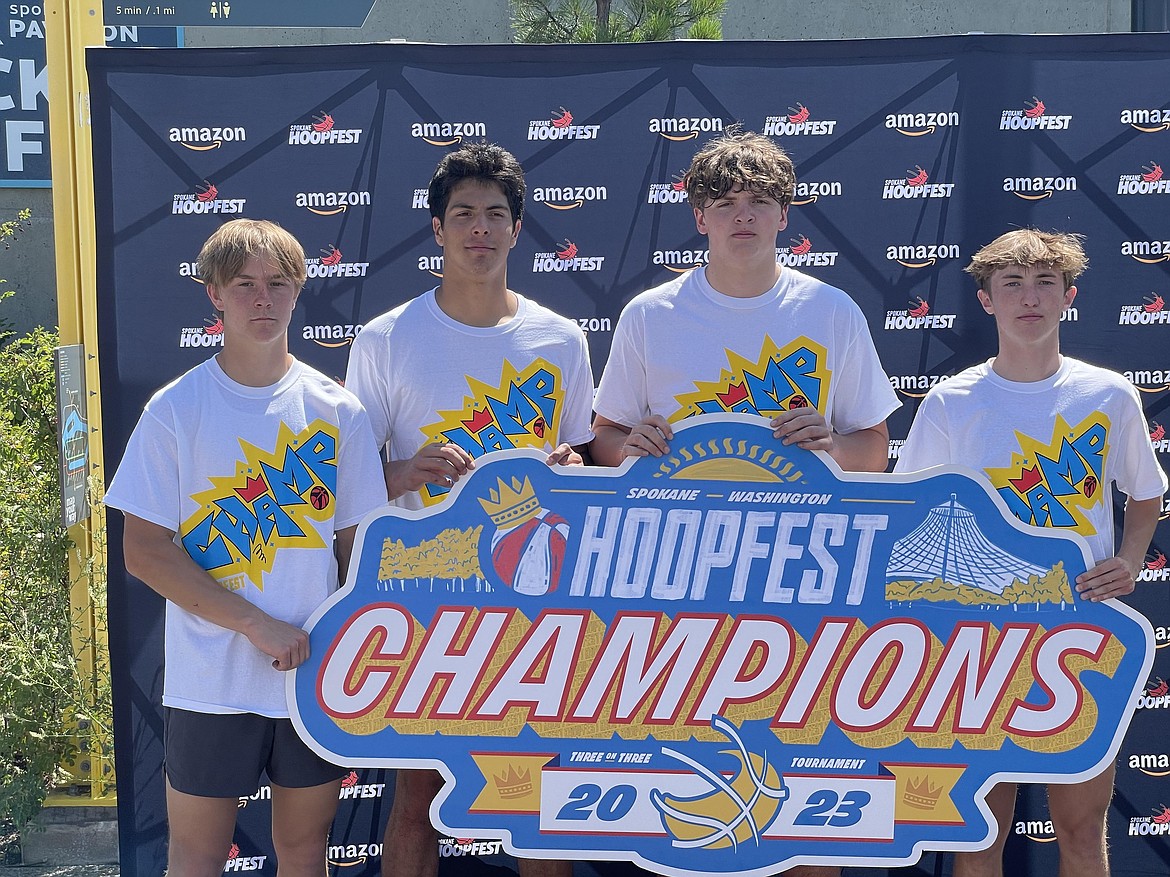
(1116, 576)
(152, 556)
(441, 464)
(565, 454)
(866, 450)
(613, 442)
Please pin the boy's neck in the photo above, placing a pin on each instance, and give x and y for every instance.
(742, 281)
(1026, 366)
(255, 368)
(482, 305)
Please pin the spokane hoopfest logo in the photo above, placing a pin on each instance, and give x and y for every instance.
(918, 316)
(1158, 438)
(921, 124)
(352, 790)
(916, 184)
(1036, 830)
(332, 203)
(683, 128)
(522, 411)
(779, 379)
(801, 254)
(336, 335)
(1147, 121)
(332, 264)
(1155, 825)
(1152, 311)
(236, 862)
(210, 334)
(560, 127)
(681, 261)
(921, 255)
(1155, 696)
(1147, 252)
(808, 193)
(1151, 181)
(205, 199)
(915, 386)
(1037, 188)
(1052, 484)
(454, 847)
(1155, 568)
(1151, 764)
(798, 121)
(674, 192)
(567, 197)
(1033, 117)
(895, 449)
(207, 137)
(322, 131)
(447, 133)
(565, 258)
(269, 505)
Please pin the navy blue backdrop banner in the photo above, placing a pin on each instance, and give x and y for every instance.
(910, 155)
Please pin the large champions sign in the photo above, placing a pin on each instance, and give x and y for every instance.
(726, 661)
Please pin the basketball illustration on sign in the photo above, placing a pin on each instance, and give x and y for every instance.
(528, 547)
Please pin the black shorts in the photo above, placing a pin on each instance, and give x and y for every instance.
(223, 756)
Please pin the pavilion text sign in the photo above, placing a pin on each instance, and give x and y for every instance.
(729, 660)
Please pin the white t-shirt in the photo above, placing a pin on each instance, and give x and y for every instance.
(254, 481)
(684, 348)
(424, 377)
(1050, 448)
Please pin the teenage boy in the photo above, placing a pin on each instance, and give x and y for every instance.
(745, 334)
(235, 484)
(432, 374)
(993, 416)
(685, 347)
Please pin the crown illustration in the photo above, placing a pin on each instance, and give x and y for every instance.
(512, 783)
(922, 794)
(511, 506)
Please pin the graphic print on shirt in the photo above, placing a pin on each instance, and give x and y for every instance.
(522, 411)
(1051, 485)
(779, 379)
(244, 520)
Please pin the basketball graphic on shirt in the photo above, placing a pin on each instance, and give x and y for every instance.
(528, 546)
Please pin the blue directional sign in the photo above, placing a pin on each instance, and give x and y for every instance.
(730, 660)
(241, 13)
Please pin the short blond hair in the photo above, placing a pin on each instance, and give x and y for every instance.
(233, 243)
(740, 160)
(1061, 251)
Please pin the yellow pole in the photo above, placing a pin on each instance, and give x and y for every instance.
(70, 26)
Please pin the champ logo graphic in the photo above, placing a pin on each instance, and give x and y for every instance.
(918, 316)
(779, 379)
(1152, 311)
(916, 184)
(210, 334)
(1038, 188)
(1156, 695)
(565, 259)
(331, 203)
(201, 139)
(335, 335)
(797, 122)
(269, 505)
(1034, 116)
(921, 255)
(730, 677)
(352, 855)
(1155, 825)
(916, 386)
(205, 199)
(1147, 252)
(190, 270)
(801, 254)
(1147, 121)
(1151, 764)
(1151, 181)
(681, 261)
(1154, 569)
(567, 197)
(447, 133)
(331, 263)
(684, 128)
(1036, 830)
(322, 131)
(674, 192)
(431, 265)
(1051, 485)
(560, 127)
(523, 410)
(237, 862)
(921, 124)
(808, 193)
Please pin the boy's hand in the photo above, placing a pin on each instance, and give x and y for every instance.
(288, 646)
(437, 463)
(804, 427)
(649, 438)
(564, 455)
(1112, 577)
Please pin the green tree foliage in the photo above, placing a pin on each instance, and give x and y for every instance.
(42, 692)
(615, 21)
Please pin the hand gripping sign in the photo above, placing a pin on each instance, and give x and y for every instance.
(729, 660)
